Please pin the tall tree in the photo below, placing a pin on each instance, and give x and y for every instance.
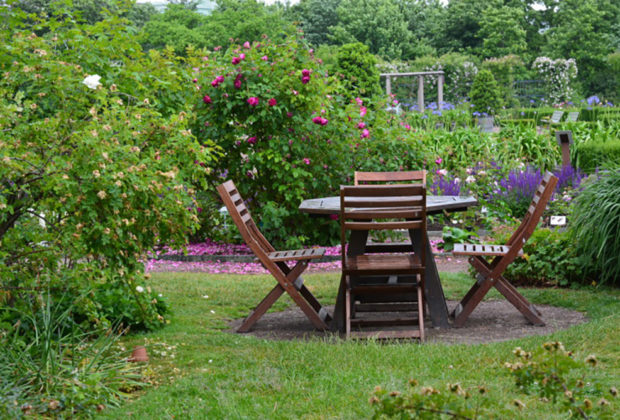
(501, 31)
(316, 17)
(380, 24)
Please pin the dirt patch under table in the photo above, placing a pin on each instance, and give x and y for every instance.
(491, 321)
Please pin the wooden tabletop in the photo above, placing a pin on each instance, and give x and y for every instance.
(434, 204)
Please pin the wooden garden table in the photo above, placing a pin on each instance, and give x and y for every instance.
(435, 298)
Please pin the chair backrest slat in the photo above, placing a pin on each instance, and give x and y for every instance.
(242, 218)
(385, 177)
(535, 211)
(382, 207)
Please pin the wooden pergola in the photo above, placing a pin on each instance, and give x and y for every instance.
(420, 75)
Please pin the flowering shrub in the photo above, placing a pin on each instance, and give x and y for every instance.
(91, 177)
(271, 108)
(558, 75)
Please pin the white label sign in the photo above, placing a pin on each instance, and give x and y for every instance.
(557, 221)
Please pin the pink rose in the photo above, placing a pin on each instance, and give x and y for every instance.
(320, 120)
(236, 60)
(305, 79)
(194, 80)
(438, 161)
(359, 101)
(272, 102)
(217, 81)
(207, 99)
(242, 56)
(365, 133)
(362, 111)
(246, 45)
(305, 73)
(361, 125)
(307, 161)
(289, 114)
(238, 81)
(253, 100)
(252, 140)
(264, 58)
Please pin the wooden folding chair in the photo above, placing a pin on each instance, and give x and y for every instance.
(366, 208)
(289, 279)
(389, 177)
(490, 273)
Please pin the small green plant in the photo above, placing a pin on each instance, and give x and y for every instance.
(485, 94)
(57, 370)
(427, 402)
(454, 235)
(549, 258)
(555, 375)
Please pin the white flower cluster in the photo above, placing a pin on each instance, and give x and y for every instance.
(557, 75)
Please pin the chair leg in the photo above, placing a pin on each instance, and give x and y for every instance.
(262, 307)
(347, 309)
(470, 301)
(518, 301)
(421, 310)
(510, 293)
(316, 305)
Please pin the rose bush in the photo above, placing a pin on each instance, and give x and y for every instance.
(286, 135)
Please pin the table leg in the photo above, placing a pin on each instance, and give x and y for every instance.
(357, 244)
(435, 299)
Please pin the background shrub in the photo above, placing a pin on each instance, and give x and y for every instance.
(357, 68)
(485, 94)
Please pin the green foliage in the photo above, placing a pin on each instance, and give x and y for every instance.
(554, 375)
(98, 166)
(358, 69)
(453, 235)
(61, 371)
(593, 155)
(501, 30)
(485, 94)
(506, 70)
(549, 259)
(596, 226)
(377, 23)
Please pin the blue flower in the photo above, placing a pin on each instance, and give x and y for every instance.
(436, 112)
(476, 114)
(593, 100)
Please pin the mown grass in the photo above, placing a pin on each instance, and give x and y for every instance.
(217, 374)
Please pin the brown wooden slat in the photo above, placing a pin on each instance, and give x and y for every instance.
(385, 335)
(383, 190)
(356, 214)
(386, 307)
(384, 202)
(383, 225)
(389, 176)
(359, 322)
(296, 255)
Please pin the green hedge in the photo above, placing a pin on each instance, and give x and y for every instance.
(595, 154)
(605, 114)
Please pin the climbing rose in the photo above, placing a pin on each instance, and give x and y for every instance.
(272, 102)
(362, 111)
(207, 99)
(361, 125)
(236, 60)
(246, 45)
(252, 140)
(305, 79)
(253, 100)
(438, 161)
(238, 81)
(307, 161)
(264, 58)
(359, 101)
(365, 133)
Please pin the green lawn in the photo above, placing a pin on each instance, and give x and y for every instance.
(215, 374)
